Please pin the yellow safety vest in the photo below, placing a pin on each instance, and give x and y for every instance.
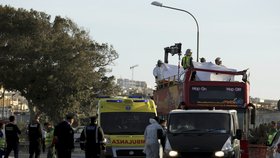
(186, 62)
(2, 143)
(49, 138)
(270, 137)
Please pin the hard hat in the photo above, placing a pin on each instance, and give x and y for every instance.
(188, 52)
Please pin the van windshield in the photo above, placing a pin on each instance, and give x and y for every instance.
(125, 123)
(199, 123)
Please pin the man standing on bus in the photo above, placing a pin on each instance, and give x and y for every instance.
(187, 60)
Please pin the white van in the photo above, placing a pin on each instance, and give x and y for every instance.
(203, 134)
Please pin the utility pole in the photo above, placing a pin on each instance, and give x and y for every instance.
(132, 69)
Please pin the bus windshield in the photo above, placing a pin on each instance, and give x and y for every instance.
(125, 122)
(217, 94)
(199, 123)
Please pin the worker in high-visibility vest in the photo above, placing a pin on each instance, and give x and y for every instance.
(187, 60)
(272, 132)
(2, 141)
(49, 140)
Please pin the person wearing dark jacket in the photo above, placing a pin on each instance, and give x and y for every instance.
(92, 139)
(64, 137)
(2, 141)
(35, 138)
(12, 139)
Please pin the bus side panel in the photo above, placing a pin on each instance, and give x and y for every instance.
(168, 98)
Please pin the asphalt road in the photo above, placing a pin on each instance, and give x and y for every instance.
(23, 153)
(44, 155)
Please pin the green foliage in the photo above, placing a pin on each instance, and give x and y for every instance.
(259, 134)
(55, 65)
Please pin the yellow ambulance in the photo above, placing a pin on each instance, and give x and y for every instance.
(123, 121)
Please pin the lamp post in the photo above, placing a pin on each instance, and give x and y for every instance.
(132, 68)
(12, 100)
(158, 4)
(3, 97)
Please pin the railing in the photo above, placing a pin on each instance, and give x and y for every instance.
(166, 82)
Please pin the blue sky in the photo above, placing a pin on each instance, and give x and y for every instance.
(244, 33)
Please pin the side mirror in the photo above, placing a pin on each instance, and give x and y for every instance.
(238, 134)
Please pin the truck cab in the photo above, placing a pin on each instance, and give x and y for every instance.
(203, 133)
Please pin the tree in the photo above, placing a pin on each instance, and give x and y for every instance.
(54, 65)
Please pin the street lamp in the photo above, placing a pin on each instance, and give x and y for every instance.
(3, 97)
(158, 4)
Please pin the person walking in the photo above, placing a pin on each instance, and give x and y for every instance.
(64, 137)
(35, 137)
(12, 137)
(152, 134)
(2, 141)
(49, 140)
(92, 139)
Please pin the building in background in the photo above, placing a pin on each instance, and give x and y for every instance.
(265, 104)
(12, 103)
(130, 87)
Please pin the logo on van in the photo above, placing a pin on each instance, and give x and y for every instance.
(128, 141)
(128, 108)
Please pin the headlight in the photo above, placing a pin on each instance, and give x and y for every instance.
(219, 154)
(227, 146)
(168, 149)
(173, 153)
(226, 149)
(107, 140)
